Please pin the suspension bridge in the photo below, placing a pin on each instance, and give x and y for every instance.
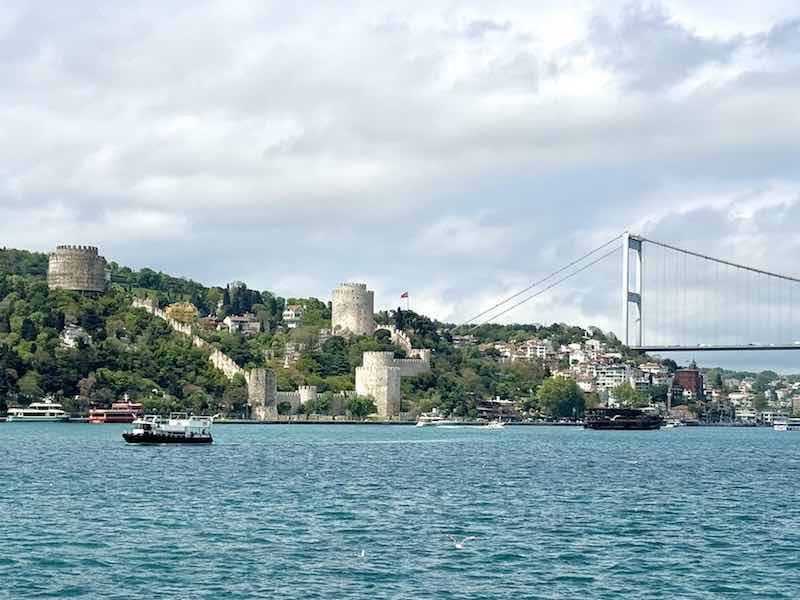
(675, 300)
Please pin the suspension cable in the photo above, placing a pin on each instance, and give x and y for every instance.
(538, 283)
(549, 287)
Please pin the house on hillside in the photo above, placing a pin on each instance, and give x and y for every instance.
(246, 324)
(293, 315)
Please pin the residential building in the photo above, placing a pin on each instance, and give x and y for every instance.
(610, 376)
(246, 324)
(293, 315)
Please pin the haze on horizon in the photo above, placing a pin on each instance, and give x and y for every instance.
(457, 150)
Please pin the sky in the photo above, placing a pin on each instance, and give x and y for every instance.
(454, 150)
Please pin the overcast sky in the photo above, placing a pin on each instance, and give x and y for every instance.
(458, 150)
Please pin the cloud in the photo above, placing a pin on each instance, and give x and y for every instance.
(457, 150)
(651, 51)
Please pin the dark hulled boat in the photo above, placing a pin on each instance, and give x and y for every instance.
(178, 429)
(620, 419)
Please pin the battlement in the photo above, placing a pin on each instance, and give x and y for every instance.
(76, 268)
(77, 248)
(378, 359)
(349, 285)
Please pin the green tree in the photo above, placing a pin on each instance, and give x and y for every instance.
(628, 396)
(360, 407)
(560, 397)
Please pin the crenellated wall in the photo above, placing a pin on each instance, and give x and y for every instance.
(77, 268)
(379, 377)
(352, 310)
(261, 383)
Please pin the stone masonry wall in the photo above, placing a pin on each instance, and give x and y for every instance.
(261, 383)
(78, 268)
(352, 310)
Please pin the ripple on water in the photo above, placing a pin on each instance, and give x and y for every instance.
(355, 512)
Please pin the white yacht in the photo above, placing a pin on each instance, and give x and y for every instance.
(498, 424)
(46, 410)
(434, 420)
(672, 422)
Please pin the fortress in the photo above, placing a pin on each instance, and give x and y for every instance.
(352, 310)
(77, 268)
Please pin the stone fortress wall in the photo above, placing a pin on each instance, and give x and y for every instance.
(261, 383)
(305, 393)
(353, 310)
(77, 268)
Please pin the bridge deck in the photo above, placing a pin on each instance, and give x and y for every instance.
(716, 348)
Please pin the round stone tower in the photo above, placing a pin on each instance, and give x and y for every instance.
(353, 310)
(78, 268)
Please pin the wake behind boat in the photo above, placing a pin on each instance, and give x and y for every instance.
(178, 429)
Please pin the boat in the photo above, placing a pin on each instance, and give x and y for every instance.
(434, 420)
(179, 428)
(498, 424)
(120, 412)
(46, 410)
(786, 424)
(672, 422)
(620, 419)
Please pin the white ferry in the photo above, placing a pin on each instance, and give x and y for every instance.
(179, 428)
(434, 420)
(46, 410)
(786, 424)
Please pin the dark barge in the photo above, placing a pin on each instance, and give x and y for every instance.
(620, 419)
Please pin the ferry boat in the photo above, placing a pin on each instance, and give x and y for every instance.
(620, 419)
(120, 412)
(46, 410)
(179, 428)
(786, 424)
(434, 420)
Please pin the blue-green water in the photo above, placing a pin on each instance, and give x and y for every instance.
(285, 512)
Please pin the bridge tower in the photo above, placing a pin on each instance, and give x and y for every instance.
(632, 295)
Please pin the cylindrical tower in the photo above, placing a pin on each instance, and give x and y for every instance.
(353, 310)
(78, 268)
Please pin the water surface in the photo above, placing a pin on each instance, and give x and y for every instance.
(368, 511)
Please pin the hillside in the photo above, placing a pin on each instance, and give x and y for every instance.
(128, 351)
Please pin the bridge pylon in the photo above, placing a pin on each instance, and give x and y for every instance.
(632, 294)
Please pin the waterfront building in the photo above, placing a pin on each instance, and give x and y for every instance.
(687, 386)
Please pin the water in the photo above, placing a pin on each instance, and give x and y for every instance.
(286, 511)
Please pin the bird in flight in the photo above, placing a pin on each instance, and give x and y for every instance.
(460, 545)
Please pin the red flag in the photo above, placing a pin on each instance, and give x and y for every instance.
(404, 295)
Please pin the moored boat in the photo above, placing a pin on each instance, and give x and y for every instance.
(620, 419)
(177, 429)
(498, 424)
(786, 424)
(434, 420)
(46, 410)
(120, 412)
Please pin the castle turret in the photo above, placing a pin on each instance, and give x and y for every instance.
(353, 310)
(77, 268)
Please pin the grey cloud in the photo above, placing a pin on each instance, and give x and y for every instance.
(783, 37)
(477, 29)
(650, 51)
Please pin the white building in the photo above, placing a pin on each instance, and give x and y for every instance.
(293, 315)
(610, 376)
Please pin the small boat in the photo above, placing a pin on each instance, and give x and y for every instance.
(620, 419)
(46, 410)
(672, 422)
(120, 412)
(498, 424)
(179, 428)
(786, 424)
(434, 420)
